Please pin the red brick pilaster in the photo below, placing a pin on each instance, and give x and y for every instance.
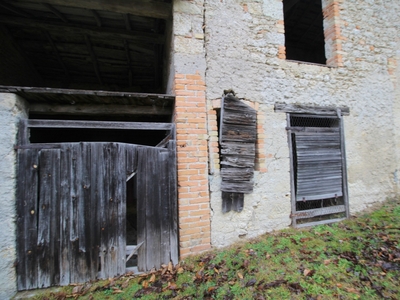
(332, 33)
(192, 159)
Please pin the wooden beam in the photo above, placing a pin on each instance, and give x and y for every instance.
(128, 58)
(316, 110)
(94, 59)
(96, 17)
(57, 55)
(92, 110)
(15, 10)
(56, 12)
(127, 22)
(98, 125)
(103, 33)
(143, 8)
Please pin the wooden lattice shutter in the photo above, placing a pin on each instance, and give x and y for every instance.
(319, 165)
(237, 140)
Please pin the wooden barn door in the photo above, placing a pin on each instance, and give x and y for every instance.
(71, 210)
(157, 207)
(71, 213)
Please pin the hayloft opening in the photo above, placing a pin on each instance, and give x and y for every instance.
(87, 45)
(304, 32)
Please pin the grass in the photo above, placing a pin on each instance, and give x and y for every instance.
(356, 259)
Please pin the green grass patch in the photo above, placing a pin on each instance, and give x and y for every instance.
(356, 259)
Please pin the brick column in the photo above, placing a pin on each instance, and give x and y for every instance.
(192, 158)
(333, 38)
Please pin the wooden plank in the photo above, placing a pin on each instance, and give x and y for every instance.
(96, 196)
(232, 148)
(310, 213)
(74, 198)
(344, 164)
(106, 233)
(97, 125)
(55, 210)
(22, 136)
(79, 30)
(164, 208)
(237, 174)
(153, 207)
(238, 161)
(152, 9)
(291, 139)
(46, 239)
(143, 191)
(173, 198)
(65, 216)
(320, 222)
(89, 110)
(238, 133)
(312, 129)
(242, 117)
(84, 255)
(233, 103)
(121, 194)
(41, 90)
(245, 187)
(27, 218)
(99, 183)
(304, 109)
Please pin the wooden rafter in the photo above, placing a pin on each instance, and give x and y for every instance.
(93, 58)
(128, 58)
(14, 9)
(127, 22)
(56, 12)
(53, 46)
(96, 17)
(143, 8)
(104, 33)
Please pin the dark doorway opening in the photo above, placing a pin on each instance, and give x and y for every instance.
(304, 31)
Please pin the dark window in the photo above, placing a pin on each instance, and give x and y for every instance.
(304, 32)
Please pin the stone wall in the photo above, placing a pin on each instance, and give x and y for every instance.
(12, 108)
(244, 51)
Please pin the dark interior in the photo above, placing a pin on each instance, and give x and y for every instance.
(114, 45)
(304, 33)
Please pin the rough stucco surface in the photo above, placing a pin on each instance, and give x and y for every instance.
(11, 110)
(241, 43)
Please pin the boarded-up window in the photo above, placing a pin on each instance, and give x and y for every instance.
(238, 135)
(318, 169)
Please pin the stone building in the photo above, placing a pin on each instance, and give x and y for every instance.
(321, 75)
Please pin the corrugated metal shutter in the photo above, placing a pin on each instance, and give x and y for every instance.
(319, 165)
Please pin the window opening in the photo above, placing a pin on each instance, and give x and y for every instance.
(304, 32)
(317, 170)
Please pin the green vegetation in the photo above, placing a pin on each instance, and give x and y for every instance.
(356, 259)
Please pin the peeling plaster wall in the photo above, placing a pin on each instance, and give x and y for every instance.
(12, 108)
(242, 42)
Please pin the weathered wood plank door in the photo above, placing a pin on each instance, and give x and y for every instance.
(71, 213)
(71, 210)
(157, 219)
